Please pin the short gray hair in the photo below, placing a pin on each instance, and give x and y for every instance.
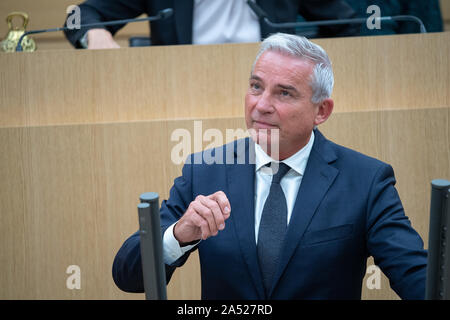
(322, 79)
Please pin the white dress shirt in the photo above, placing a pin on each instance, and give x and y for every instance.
(224, 21)
(290, 184)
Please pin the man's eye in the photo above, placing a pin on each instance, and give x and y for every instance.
(285, 93)
(255, 86)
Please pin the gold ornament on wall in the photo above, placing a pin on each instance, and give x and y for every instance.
(9, 44)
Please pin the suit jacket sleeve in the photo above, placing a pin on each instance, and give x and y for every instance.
(93, 11)
(127, 265)
(396, 247)
(313, 10)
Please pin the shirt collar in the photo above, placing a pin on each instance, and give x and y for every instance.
(297, 161)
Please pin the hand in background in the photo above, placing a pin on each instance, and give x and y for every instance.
(101, 39)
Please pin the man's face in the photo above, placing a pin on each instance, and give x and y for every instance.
(279, 97)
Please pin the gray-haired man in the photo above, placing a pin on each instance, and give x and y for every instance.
(301, 231)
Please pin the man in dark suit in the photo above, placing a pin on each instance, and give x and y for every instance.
(181, 27)
(285, 214)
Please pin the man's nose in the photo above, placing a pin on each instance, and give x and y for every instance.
(264, 103)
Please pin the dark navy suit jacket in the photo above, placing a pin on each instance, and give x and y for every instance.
(347, 209)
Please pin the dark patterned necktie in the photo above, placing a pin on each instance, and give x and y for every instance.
(272, 228)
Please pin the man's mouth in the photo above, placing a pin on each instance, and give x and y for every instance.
(263, 125)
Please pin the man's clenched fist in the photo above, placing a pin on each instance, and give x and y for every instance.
(204, 218)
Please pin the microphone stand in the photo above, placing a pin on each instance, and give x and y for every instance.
(163, 14)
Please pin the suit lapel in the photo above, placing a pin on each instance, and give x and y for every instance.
(183, 11)
(241, 177)
(316, 181)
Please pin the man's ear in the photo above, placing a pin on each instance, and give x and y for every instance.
(325, 108)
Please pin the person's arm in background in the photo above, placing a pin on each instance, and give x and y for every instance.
(314, 10)
(93, 11)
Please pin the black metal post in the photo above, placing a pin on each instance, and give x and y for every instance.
(151, 247)
(438, 269)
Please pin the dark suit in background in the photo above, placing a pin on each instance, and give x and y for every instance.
(347, 209)
(178, 28)
(428, 11)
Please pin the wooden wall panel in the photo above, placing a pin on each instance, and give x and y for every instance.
(179, 82)
(126, 84)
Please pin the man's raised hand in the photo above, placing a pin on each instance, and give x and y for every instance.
(204, 218)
